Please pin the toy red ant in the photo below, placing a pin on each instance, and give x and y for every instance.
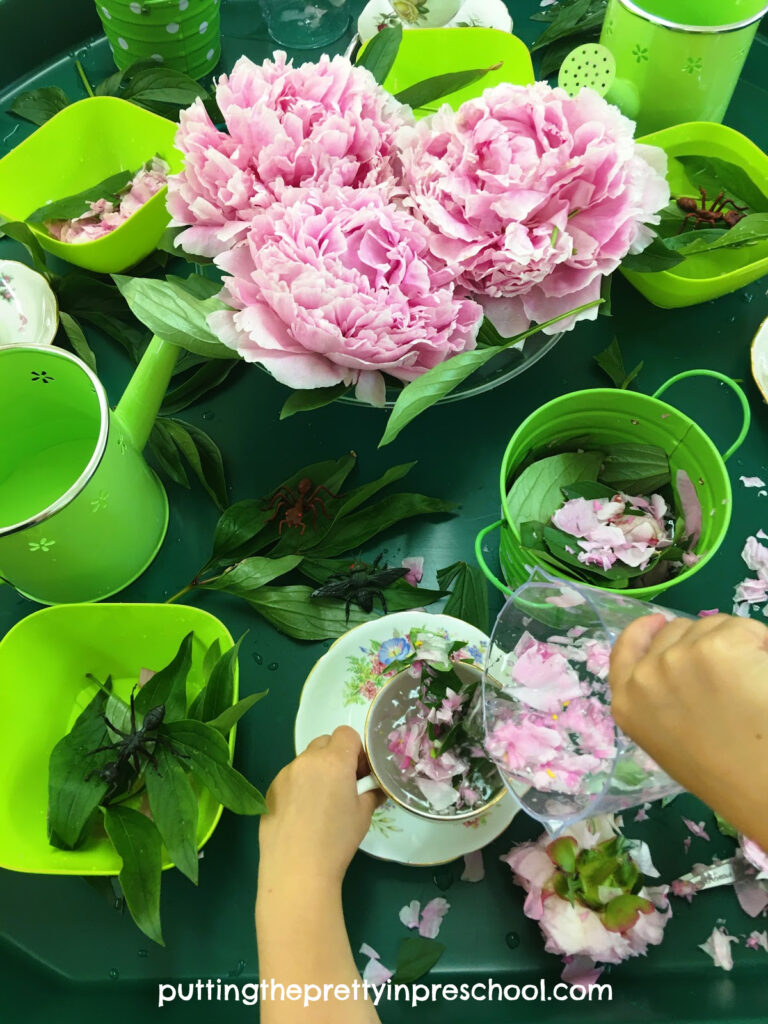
(697, 211)
(296, 503)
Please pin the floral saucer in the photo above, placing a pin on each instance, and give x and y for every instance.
(28, 310)
(379, 14)
(338, 691)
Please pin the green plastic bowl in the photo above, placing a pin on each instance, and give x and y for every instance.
(43, 663)
(80, 146)
(708, 275)
(613, 416)
(427, 52)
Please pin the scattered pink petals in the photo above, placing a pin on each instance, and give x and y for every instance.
(642, 814)
(755, 855)
(708, 611)
(757, 940)
(409, 914)
(697, 830)
(375, 972)
(718, 946)
(474, 867)
(687, 843)
(689, 504)
(752, 481)
(369, 951)
(752, 896)
(752, 592)
(683, 889)
(762, 535)
(415, 567)
(432, 917)
(580, 970)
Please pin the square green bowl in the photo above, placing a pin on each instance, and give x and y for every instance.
(80, 146)
(427, 52)
(707, 275)
(43, 663)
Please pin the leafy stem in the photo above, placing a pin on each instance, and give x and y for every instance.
(84, 78)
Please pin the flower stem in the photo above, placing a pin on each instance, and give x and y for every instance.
(181, 593)
(84, 78)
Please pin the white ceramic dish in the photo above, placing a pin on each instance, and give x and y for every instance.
(28, 311)
(471, 14)
(338, 691)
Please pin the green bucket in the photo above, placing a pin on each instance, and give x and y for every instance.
(183, 34)
(614, 416)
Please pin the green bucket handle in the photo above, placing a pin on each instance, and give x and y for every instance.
(732, 385)
(481, 558)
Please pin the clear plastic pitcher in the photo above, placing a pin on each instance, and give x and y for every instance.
(546, 704)
(678, 60)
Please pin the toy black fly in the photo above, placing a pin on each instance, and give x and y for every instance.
(361, 584)
(130, 749)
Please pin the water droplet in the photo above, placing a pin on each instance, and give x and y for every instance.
(143, 953)
(257, 657)
(273, 666)
(114, 973)
(237, 970)
(209, 414)
(512, 939)
(443, 879)
(747, 297)
(327, 644)
(119, 902)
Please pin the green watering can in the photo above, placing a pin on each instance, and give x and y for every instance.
(81, 513)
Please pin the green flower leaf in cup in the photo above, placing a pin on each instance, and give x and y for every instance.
(173, 804)
(73, 206)
(138, 844)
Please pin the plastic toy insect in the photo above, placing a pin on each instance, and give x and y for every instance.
(297, 503)
(710, 216)
(361, 584)
(130, 749)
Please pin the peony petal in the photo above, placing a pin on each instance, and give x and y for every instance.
(474, 867)
(718, 946)
(432, 917)
(409, 914)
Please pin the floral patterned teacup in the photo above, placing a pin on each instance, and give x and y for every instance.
(425, 13)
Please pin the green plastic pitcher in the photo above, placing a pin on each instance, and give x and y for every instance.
(81, 513)
(678, 60)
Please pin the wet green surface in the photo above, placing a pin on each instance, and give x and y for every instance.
(67, 951)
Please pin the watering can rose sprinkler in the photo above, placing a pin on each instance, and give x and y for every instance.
(82, 515)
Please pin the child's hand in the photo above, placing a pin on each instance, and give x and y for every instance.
(694, 695)
(316, 820)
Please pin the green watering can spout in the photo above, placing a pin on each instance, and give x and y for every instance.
(138, 408)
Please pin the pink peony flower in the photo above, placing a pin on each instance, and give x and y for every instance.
(323, 123)
(337, 286)
(534, 196)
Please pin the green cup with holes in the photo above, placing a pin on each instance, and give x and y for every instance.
(183, 34)
(81, 513)
(678, 60)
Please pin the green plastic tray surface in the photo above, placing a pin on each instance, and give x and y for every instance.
(69, 952)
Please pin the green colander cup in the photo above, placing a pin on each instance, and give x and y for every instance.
(183, 34)
(678, 60)
(81, 513)
(613, 416)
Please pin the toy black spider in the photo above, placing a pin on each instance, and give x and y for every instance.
(361, 584)
(120, 773)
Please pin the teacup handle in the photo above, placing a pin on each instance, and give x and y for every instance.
(366, 784)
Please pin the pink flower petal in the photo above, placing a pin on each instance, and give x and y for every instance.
(409, 914)
(415, 567)
(580, 970)
(474, 867)
(690, 505)
(752, 481)
(376, 973)
(697, 830)
(757, 940)
(368, 951)
(718, 946)
(432, 917)
(708, 611)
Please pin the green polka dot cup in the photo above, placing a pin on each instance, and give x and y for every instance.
(182, 34)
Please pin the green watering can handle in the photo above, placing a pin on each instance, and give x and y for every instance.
(732, 385)
(481, 559)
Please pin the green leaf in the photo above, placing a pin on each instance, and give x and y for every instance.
(469, 594)
(73, 802)
(415, 958)
(587, 489)
(354, 499)
(173, 804)
(162, 85)
(749, 231)
(227, 720)
(567, 21)
(203, 456)
(166, 454)
(635, 468)
(431, 89)
(715, 176)
(167, 244)
(205, 379)
(77, 340)
(293, 611)
(220, 689)
(381, 51)
(23, 234)
(611, 361)
(196, 284)
(438, 382)
(212, 655)
(355, 530)
(250, 574)
(174, 314)
(629, 773)
(314, 398)
(169, 685)
(655, 258)
(40, 105)
(532, 535)
(208, 755)
(623, 911)
(725, 827)
(537, 493)
(138, 845)
(73, 206)
(558, 542)
(100, 303)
